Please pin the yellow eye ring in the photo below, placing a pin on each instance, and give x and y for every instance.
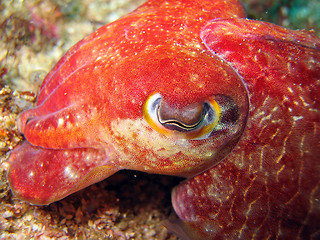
(207, 118)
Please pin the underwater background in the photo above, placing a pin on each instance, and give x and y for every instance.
(129, 205)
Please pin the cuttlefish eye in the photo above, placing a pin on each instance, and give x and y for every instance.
(195, 121)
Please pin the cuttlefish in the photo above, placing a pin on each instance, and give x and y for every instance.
(189, 88)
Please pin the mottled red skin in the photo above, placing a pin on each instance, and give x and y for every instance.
(89, 119)
(269, 185)
(105, 79)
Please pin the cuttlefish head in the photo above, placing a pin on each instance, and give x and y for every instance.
(167, 110)
(190, 109)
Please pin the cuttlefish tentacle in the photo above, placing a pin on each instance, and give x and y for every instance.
(41, 176)
(71, 94)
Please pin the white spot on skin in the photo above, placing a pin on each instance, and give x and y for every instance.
(190, 192)
(69, 125)
(69, 173)
(88, 158)
(304, 102)
(60, 122)
(295, 118)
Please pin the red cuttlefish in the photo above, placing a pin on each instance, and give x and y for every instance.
(189, 88)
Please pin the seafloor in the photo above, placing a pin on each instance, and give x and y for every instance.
(129, 205)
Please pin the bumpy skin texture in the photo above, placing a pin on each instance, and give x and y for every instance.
(269, 186)
(89, 120)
